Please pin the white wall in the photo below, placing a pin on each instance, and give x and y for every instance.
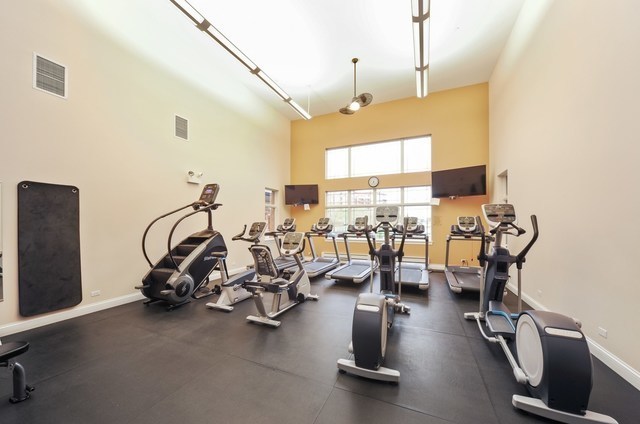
(564, 123)
(113, 138)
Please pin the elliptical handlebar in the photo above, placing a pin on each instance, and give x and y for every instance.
(520, 231)
(521, 257)
(400, 252)
(503, 228)
(482, 256)
(372, 249)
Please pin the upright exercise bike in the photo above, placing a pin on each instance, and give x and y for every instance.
(230, 288)
(374, 312)
(183, 273)
(552, 357)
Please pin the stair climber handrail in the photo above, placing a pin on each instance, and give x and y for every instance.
(144, 236)
(207, 209)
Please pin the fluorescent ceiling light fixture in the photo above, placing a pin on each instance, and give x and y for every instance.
(205, 26)
(420, 19)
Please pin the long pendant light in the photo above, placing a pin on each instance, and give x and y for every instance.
(205, 26)
(420, 20)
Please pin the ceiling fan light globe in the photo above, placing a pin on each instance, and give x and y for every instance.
(355, 105)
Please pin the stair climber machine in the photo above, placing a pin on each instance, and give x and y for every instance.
(464, 278)
(183, 273)
(319, 265)
(551, 358)
(286, 292)
(353, 270)
(374, 312)
(230, 288)
(414, 274)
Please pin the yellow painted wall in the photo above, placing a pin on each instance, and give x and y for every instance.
(458, 122)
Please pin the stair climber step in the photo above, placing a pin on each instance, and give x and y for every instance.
(185, 249)
(169, 264)
(161, 275)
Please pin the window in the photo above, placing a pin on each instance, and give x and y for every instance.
(389, 157)
(344, 206)
(270, 209)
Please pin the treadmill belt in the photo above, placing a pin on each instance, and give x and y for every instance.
(351, 271)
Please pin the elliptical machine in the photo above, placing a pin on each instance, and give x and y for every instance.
(230, 288)
(374, 312)
(184, 271)
(552, 356)
(297, 288)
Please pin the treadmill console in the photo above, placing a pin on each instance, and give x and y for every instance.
(322, 226)
(360, 225)
(467, 224)
(499, 213)
(412, 226)
(256, 231)
(387, 214)
(208, 195)
(292, 243)
(289, 224)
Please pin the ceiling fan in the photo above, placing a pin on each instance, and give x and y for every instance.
(359, 100)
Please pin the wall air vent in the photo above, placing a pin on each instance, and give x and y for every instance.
(182, 128)
(49, 76)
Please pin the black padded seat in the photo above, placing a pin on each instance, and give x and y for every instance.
(12, 349)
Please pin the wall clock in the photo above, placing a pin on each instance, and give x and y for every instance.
(374, 181)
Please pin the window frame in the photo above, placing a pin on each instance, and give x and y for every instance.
(349, 164)
(270, 206)
(352, 207)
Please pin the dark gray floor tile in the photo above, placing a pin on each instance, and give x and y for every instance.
(344, 407)
(240, 391)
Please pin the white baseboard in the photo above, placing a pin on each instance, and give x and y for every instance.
(28, 324)
(618, 366)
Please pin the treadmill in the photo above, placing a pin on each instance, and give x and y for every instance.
(464, 278)
(283, 262)
(319, 265)
(414, 274)
(353, 270)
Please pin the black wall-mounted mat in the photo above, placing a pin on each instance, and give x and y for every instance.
(48, 247)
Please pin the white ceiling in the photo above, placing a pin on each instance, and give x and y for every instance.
(306, 46)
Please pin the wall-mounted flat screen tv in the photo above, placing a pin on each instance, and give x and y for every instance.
(458, 182)
(301, 194)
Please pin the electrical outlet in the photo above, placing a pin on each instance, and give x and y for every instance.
(95, 293)
(602, 332)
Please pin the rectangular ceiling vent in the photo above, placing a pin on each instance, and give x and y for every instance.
(49, 76)
(182, 128)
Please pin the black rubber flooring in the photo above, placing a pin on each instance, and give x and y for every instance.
(137, 364)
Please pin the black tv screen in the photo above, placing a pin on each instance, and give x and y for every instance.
(301, 194)
(458, 182)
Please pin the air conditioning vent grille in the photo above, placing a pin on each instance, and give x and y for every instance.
(182, 128)
(50, 76)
